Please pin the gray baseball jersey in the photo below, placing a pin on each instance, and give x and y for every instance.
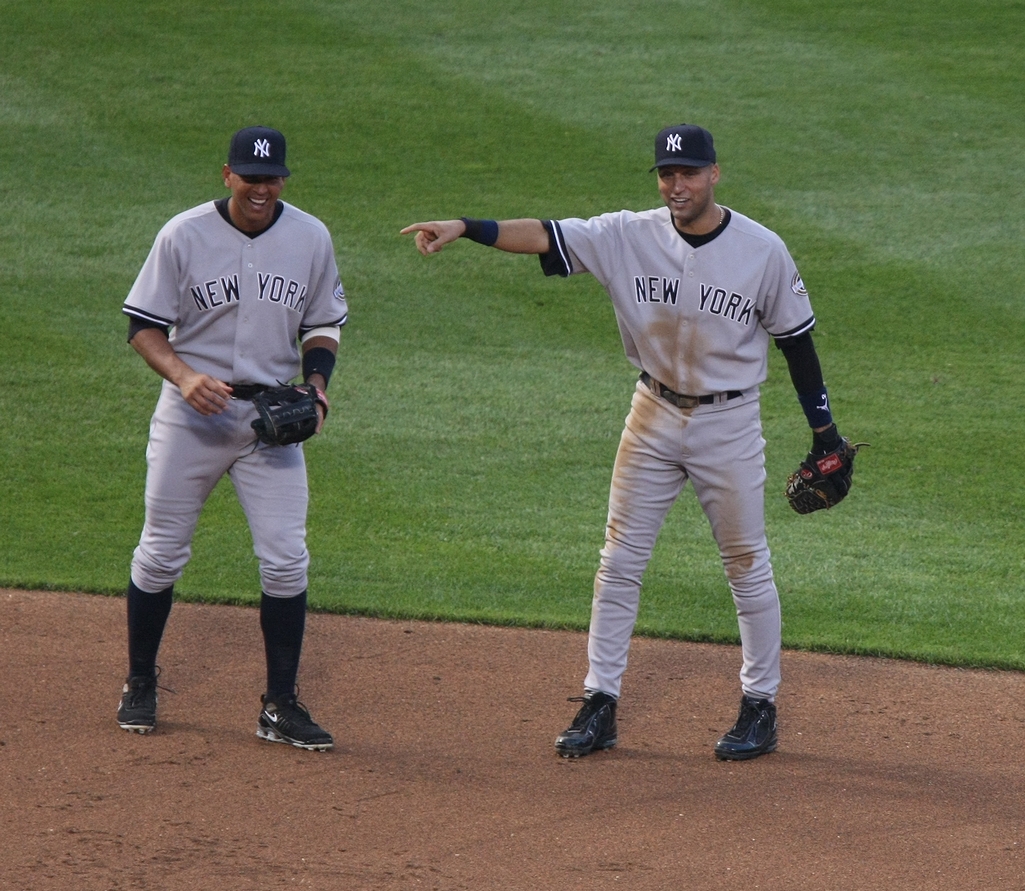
(237, 304)
(697, 319)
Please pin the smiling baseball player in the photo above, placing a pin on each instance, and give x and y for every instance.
(236, 295)
(699, 292)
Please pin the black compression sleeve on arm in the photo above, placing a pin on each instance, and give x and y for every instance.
(803, 362)
(806, 373)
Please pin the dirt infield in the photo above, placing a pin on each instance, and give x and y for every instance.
(889, 775)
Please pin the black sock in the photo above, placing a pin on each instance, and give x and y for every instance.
(147, 616)
(283, 620)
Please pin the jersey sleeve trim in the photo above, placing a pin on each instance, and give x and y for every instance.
(556, 261)
(803, 328)
(330, 331)
(338, 323)
(144, 316)
(136, 325)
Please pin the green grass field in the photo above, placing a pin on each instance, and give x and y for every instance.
(478, 405)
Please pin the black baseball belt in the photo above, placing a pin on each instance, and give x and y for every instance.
(682, 400)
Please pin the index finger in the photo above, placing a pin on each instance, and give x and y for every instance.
(416, 227)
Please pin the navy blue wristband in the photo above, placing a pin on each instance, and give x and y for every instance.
(816, 408)
(318, 360)
(481, 231)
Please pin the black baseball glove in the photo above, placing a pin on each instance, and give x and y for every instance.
(288, 413)
(825, 476)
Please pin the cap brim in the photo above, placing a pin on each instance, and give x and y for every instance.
(681, 162)
(260, 169)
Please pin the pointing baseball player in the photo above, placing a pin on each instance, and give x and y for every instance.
(699, 292)
(236, 296)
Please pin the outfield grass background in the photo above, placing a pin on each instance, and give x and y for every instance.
(477, 405)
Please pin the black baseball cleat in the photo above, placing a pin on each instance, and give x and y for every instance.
(594, 727)
(754, 733)
(137, 712)
(286, 720)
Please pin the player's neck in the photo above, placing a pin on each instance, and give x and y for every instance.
(705, 234)
(230, 213)
(708, 222)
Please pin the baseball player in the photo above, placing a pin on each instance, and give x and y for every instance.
(699, 291)
(236, 295)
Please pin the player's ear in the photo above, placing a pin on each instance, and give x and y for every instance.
(715, 174)
(225, 173)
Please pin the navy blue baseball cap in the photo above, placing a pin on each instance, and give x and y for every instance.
(683, 145)
(257, 151)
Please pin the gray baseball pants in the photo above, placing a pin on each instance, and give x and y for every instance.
(187, 454)
(720, 449)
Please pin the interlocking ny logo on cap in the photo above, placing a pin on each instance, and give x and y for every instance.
(686, 145)
(257, 151)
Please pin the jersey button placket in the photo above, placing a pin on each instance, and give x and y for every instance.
(248, 258)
